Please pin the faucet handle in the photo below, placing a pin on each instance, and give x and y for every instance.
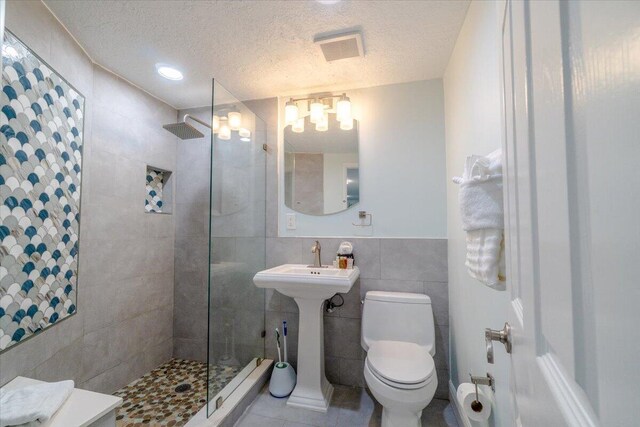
(316, 246)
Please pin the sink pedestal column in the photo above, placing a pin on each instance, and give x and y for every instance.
(312, 390)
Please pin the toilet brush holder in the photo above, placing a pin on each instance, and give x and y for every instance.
(283, 380)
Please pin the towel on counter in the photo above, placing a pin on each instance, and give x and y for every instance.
(33, 403)
(482, 214)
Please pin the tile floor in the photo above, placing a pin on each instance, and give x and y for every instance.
(153, 400)
(350, 407)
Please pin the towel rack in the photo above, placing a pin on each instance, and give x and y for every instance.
(363, 215)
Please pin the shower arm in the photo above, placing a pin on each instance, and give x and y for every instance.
(187, 116)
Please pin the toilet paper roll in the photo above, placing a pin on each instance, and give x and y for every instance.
(466, 395)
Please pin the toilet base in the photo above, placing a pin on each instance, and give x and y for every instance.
(391, 418)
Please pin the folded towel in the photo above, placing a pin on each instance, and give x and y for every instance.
(485, 257)
(481, 192)
(482, 215)
(33, 403)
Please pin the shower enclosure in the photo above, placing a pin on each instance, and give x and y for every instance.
(221, 190)
(236, 243)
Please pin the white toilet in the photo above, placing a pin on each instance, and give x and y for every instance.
(399, 336)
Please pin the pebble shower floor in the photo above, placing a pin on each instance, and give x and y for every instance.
(152, 400)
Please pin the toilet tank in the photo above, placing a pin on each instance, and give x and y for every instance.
(398, 316)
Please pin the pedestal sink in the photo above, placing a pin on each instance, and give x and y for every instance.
(310, 287)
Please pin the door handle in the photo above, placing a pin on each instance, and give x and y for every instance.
(503, 335)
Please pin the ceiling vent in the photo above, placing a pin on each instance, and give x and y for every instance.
(340, 46)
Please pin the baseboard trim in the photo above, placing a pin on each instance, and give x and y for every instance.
(462, 419)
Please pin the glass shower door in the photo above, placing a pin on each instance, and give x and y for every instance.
(236, 246)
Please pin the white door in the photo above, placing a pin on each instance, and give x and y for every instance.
(572, 187)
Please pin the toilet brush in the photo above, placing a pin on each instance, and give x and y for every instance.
(278, 345)
(284, 333)
(283, 378)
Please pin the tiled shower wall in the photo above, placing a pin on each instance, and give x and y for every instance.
(123, 327)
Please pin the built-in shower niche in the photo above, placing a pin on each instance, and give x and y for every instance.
(158, 191)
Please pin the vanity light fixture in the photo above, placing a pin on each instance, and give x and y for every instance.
(245, 134)
(316, 110)
(228, 120)
(322, 125)
(347, 124)
(215, 124)
(343, 108)
(235, 120)
(224, 132)
(319, 109)
(291, 112)
(298, 126)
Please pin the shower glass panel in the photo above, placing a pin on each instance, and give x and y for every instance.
(237, 245)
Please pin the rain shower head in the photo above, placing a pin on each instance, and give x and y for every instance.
(184, 130)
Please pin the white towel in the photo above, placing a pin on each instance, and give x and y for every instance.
(33, 403)
(485, 257)
(482, 216)
(480, 195)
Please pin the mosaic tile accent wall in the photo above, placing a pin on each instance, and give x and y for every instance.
(155, 183)
(41, 135)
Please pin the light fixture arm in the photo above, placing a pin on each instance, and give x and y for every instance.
(310, 98)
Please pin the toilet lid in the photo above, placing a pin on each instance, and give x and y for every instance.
(400, 362)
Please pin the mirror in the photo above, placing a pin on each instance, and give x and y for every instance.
(322, 174)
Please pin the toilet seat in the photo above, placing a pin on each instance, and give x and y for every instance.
(401, 365)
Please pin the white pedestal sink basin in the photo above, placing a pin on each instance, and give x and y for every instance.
(309, 287)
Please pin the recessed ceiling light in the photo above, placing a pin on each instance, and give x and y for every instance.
(169, 72)
(328, 1)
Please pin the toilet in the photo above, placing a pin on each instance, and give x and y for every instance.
(398, 335)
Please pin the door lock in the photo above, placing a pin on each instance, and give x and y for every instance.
(491, 335)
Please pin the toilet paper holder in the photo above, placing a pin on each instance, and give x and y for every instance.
(480, 380)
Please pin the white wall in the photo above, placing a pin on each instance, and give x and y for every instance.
(472, 94)
(402, 166)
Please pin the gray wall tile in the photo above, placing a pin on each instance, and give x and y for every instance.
(283, 250)
(439, 294)
(414, 259)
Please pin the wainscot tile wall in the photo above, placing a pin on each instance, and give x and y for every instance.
(402, 265)
(123, 326)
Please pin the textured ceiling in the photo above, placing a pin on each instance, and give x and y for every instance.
(258, 49)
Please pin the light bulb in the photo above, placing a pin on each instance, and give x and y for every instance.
(215, 124)
(244, 133)
(347, 124)
(235, 120)
(224, 132)
(343, 108)
(316, 110)
(298, 126)
(323, 124)
(290, 113)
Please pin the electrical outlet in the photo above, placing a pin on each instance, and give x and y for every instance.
(291, 221)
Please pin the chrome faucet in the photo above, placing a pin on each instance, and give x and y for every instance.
(316, 249)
